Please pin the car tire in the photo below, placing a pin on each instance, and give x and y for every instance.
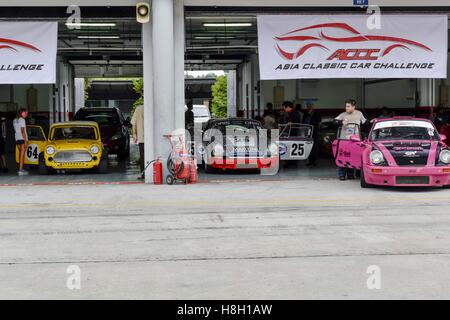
(104, 163)
(42, 168)
(362, 179)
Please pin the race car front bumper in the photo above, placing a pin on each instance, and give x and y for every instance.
(407, 176)
(233, 163)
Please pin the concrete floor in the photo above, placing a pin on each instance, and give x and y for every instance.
(126, 172)
(302, 238)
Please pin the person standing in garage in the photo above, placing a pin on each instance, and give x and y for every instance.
(3, 163)
(20, 130)
(137, 121)
(348, 120)
(313, 118)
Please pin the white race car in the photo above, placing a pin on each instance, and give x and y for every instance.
(295, 141)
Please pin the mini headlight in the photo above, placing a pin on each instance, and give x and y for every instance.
(444, 157)
(376, 157)
(94, 149)
(50, 150)
(273, 149)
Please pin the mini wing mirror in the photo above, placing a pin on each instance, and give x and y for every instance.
(443, 137)
(355, 138)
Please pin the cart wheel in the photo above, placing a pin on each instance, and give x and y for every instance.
(170, 180)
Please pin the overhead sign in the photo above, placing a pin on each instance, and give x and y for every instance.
(342, 46)
(28, 52)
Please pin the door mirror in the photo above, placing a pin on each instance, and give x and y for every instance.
(127, 123)
(355, 138)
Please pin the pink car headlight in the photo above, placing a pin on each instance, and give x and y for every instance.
(376, 157)
(444, 157)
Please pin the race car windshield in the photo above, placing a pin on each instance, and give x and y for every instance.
(74, 133)
(237, 128)
(404, 133)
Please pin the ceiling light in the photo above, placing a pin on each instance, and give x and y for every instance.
(88, 24)
(98, 37)
(230, 24)
(212, 38)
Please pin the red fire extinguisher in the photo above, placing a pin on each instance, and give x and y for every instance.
(193, 176)
(157, 172)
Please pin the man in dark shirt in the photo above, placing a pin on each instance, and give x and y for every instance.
(313, 118)
(291, 116)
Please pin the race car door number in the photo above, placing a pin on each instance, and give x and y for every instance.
(297, 149)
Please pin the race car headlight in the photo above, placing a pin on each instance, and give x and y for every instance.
(50, 150)
(444, 156)
(376, 157)
(273, 149)
(94, 149)
(218, 150)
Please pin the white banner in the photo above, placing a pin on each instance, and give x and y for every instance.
(28, 52)
(343, 46)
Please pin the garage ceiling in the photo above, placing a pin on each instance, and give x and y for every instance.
(108, 43)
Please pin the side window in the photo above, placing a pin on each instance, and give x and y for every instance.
(35, 134)
(345, 132)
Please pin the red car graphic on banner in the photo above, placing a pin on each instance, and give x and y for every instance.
(11, 45)
(342, 54)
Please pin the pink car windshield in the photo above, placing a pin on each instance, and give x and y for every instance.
(404, 133)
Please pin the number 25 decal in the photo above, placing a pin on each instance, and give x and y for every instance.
(297, 150)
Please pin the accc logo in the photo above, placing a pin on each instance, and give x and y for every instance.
(319, 40)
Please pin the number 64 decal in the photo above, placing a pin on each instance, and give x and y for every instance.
(32, 153)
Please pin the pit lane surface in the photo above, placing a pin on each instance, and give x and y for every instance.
(303, 238)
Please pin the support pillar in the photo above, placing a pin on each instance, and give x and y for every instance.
(164, 76)
(179, 49)
(149, 114)
(427, 92)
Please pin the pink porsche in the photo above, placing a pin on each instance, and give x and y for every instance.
(400, 151)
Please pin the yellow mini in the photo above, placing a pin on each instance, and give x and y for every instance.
(70, 146)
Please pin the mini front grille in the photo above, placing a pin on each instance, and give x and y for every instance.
(72, 156)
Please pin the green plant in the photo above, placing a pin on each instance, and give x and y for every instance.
(87, 86)
(138, 85)
(219, 101)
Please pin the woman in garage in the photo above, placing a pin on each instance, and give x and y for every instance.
(20, 130)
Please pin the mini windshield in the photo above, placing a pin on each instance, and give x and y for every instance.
(404, 131)
(74, 133)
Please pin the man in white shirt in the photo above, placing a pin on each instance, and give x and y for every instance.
(351, 121)
(20, 133)
(138, 135)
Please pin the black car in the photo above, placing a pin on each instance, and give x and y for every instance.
(239, 146)
(114, 129)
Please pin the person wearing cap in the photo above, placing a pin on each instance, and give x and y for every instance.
(3, 164)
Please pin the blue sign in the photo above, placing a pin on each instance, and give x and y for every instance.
(360, 2)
